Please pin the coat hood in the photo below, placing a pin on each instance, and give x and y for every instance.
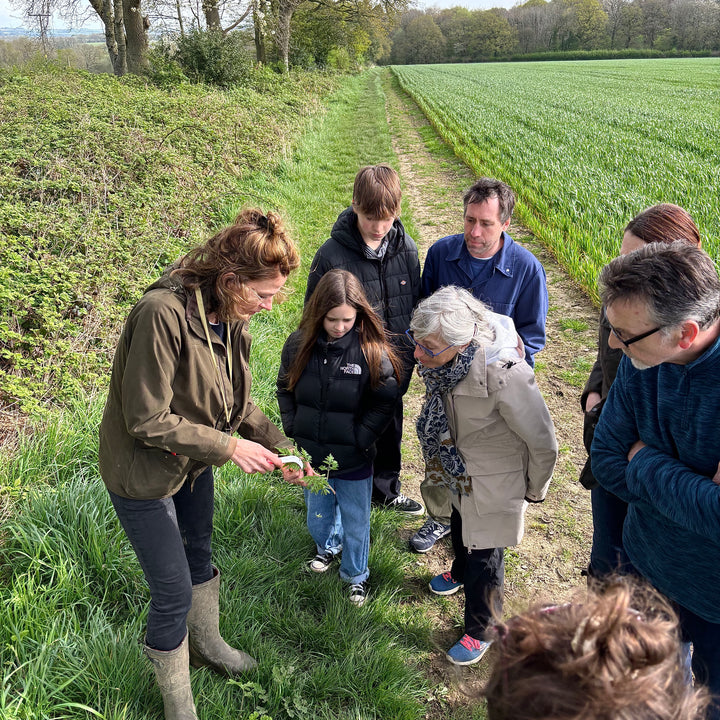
(506, 343)
(167, 282)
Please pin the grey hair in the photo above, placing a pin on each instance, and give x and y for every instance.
(677, 281)
(455, 315)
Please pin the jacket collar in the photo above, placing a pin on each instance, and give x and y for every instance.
(345, 231)
(503, 260)
(336, 346)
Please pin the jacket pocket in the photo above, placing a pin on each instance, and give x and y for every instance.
(502, 492)
(155, 473)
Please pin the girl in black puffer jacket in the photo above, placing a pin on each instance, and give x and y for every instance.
(337, 388)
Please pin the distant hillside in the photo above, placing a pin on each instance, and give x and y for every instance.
(103, 181)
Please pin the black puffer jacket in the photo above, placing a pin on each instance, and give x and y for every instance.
(392, 284)
(601, 378)
(332, 408)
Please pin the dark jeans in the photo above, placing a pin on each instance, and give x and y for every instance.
(483, 573)
(705, 637)
(386, 468)
(607, 555)
(172, 540)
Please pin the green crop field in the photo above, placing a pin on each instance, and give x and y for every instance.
(586, 145)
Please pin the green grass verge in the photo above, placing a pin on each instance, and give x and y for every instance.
(73, 599)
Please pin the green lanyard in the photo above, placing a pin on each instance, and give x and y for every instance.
(228, 347)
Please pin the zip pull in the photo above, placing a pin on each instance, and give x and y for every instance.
(324, 361)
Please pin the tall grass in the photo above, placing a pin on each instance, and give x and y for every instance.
(73, 603)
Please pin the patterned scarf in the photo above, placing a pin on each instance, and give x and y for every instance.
(443, 462)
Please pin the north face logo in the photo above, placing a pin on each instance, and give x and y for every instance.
(351, 369)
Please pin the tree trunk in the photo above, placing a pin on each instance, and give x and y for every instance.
(287, 8)
(136, 32)
(212, 14)
(120, 66)
(104, 9)
(260, 25)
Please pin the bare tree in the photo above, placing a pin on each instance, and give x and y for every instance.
(614, 10)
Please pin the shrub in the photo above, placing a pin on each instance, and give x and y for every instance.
(163, 70)
(212, 57)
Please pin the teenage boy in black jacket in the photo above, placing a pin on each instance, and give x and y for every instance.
(369, 241)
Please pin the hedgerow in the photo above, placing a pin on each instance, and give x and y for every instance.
(104, 181)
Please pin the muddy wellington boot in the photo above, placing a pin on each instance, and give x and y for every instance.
(207, 648)
(172, 672)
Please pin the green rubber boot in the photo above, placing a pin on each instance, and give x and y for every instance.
(207, 648)
(172, 672)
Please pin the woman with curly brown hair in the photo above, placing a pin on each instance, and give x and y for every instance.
(179, 392)
(611, 655)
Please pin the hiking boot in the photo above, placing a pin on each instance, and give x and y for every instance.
(405, 505)
(358, 593)
(321, 562)
(467, 651)
(444, 584)
(426, 537)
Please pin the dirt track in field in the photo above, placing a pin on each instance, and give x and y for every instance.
(549, 561)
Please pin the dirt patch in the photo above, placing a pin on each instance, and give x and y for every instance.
(549, 561)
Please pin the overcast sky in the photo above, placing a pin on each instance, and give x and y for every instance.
(13, 18)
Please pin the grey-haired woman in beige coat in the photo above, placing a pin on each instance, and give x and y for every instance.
(485, 433)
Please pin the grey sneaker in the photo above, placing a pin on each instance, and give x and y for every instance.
(405, 505)
(424, 539)
(359, 593)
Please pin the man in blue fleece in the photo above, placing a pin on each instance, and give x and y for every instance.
(656, 444)
(485, 260)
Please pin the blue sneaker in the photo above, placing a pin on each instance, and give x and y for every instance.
(467, 651)
(444, 584)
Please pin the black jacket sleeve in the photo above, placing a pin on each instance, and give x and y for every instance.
(378, 407)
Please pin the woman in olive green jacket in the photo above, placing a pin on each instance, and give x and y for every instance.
(179, 393)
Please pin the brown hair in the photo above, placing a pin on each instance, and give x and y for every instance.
(676, 281)
(664, 223)
(340, 287)
(376, 192)
(254, 247)
(613, 654)
(486, 188)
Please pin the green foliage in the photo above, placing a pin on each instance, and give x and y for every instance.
(319, 483)
(603, 141)
(103, 182)
(74, 599)
(163, 70)
(213, 57)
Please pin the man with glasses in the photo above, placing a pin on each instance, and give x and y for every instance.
(656, 443)
(485, 260)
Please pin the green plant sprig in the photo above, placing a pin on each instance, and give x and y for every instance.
(318, 484)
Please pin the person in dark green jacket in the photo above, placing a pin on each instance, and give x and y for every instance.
(179, 403)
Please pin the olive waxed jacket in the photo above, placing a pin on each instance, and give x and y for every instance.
(164, 418)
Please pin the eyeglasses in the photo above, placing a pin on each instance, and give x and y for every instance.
(427, 351)
(634, 338)
(258, 295)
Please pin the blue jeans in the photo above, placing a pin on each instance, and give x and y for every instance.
(607, 555)
(172, 540)
(705, 637)
(341, 523)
